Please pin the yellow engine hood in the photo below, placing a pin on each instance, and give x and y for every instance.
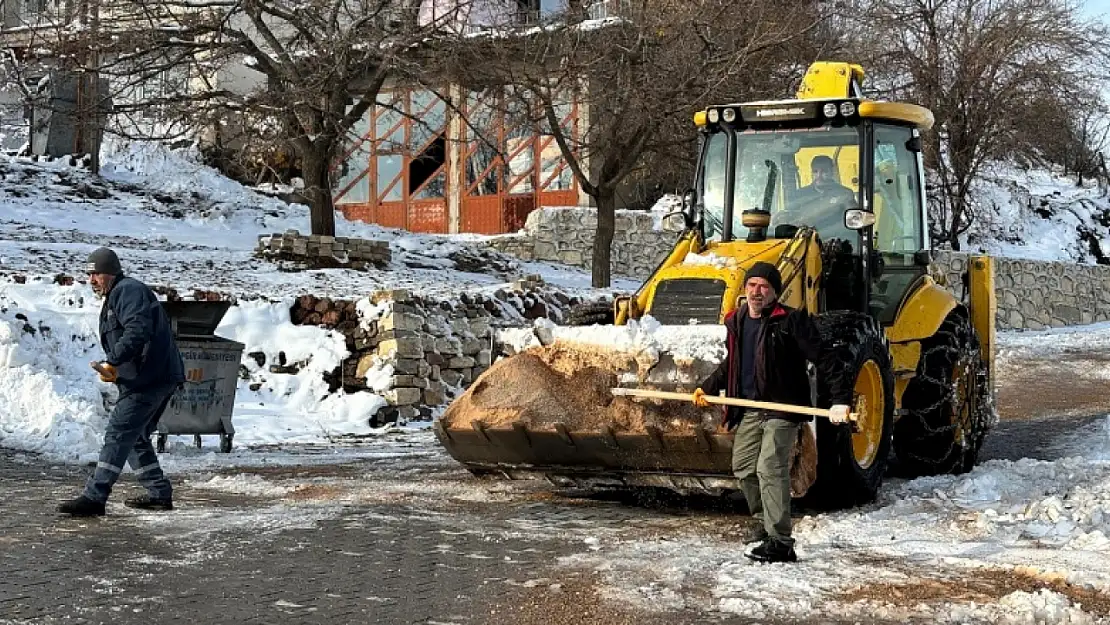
(724, 262)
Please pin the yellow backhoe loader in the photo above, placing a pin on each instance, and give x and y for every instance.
(853, 250)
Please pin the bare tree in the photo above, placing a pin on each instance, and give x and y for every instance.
(295, 75)
(980, 66)
(1088, 137)
(641, 75)
(19, 80)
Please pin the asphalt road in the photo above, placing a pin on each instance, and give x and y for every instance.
(402, 540)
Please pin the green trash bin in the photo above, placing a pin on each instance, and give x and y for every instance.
(204, 403)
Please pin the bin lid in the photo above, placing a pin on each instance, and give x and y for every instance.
(195, 318)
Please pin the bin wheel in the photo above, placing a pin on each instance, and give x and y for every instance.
(225, 442)
(197, 441)
(161, 443)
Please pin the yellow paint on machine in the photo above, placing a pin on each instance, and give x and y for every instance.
(984, 307)
(737, 257)
(919, 116)
(922, 314)
(829, 79)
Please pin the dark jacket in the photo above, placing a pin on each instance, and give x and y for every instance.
(137, 338)
(787, 339)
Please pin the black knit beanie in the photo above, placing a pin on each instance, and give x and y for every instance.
(768, 272)
(103, 260)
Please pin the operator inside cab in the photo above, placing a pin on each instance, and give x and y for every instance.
(825, 187)
(821, 203)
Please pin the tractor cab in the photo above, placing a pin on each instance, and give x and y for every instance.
(849, 168)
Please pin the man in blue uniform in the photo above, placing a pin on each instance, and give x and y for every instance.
(142, 359)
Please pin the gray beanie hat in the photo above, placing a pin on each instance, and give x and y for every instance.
(103, 260)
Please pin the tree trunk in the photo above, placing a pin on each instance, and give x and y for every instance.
(954, 223)
(603, 238)
(318, 192)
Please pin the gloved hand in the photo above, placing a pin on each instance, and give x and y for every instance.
(699, 399)
(839, 413)
(107, 372)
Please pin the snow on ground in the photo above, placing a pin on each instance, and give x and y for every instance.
(52, 402)
(1037, 215)
(243, 484)
(646, 338)
(307, 410)
(177, 223)
(1045, 343)
(1031, 520)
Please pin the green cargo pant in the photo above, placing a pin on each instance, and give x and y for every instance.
(761, 461)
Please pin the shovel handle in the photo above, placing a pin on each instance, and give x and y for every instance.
(731, 401)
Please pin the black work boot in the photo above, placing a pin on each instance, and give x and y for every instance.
(146, 502)
(82, 506)
(772, 550)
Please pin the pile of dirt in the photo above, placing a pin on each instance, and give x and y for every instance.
(570, 384)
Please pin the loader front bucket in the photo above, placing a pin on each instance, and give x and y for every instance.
(549, 413)
(684, 462)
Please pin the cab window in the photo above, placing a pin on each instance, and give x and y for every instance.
(898, 214)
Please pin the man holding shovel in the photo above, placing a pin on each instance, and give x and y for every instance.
(142, 360)
(768, 346)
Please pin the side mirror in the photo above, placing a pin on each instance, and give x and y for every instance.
(685, 217)
(690, 209)
(856, 219)
(922, 258)
(689, 196)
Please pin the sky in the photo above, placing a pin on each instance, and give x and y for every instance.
(1097, 8)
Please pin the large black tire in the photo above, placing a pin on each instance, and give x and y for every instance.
(948, 408)
(590, 313)
(851, 465)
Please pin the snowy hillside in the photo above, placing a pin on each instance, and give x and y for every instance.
(180, 224)
(1033, 214)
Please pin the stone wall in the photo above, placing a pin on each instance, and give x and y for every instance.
(420, 353)
(1032, 295)
(565, 235)
(323, 251)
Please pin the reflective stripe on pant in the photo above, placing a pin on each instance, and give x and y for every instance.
(127, 439)
(761, 461)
